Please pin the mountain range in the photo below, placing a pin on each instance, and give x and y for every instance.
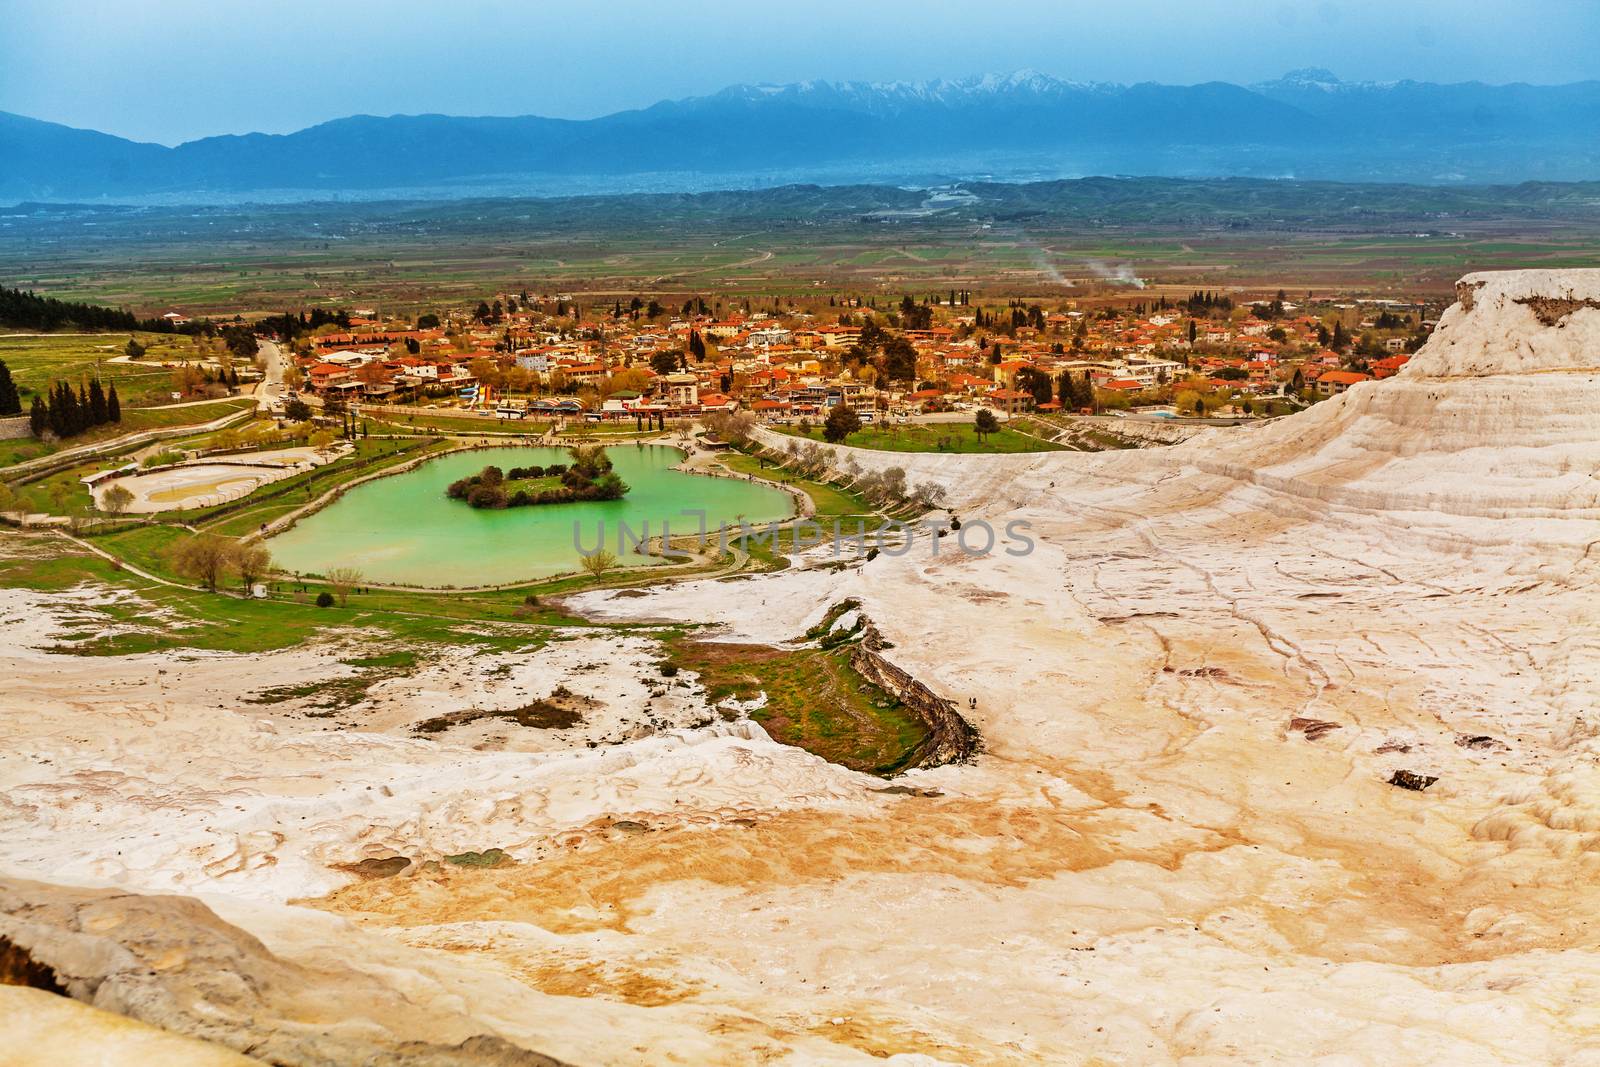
(1021, 126)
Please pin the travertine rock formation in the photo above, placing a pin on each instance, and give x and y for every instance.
(1200, 827)
(170, 962)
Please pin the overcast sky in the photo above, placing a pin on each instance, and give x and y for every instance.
(172, 70)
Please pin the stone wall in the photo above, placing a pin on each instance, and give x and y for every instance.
(14, 429)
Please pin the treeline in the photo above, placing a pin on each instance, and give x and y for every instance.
(67, 413)
(1201, 303)
(1071, 391)
(290, 325)
(23, 310)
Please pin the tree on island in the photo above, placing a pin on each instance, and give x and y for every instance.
(842, 421)
(588, 477)
(985, 423)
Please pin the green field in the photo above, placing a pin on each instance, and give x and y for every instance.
(38, 361)
(830, 501)
(134, 420)
(464, 425)
(814, 700)
(801, 242)
(954, 437)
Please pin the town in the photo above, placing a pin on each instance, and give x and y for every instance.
(521, 355)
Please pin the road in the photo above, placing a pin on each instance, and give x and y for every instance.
(271, 388)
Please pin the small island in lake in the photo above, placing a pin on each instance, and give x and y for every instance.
(588, 477)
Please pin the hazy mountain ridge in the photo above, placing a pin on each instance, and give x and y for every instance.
(1022, 125)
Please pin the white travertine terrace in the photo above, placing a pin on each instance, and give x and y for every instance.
(1179, 844)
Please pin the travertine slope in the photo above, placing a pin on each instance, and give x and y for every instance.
(1179, 843)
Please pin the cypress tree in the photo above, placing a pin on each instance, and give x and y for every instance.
(10, 402)
(97, 404)
(60, 410)
(113, 405)
(38, 416)
(83, 422)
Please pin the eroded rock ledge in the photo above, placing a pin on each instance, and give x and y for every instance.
(951, 739)
(172, 963)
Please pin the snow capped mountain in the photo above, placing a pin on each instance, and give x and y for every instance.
(889, 97)
(1022, 124)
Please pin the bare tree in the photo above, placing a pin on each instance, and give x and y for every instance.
(598, 562)
(734, 427)
(205, 558)
(344, 580)
(115, 501)
(251, 561)
(929, 495)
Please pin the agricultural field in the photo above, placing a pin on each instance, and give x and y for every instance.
(37, 361)
(1044, 241)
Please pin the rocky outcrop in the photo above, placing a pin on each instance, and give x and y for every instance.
(172, 963)
(1508, 322)
(951, 739)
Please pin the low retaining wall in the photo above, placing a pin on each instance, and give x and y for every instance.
(951, 739)
(15, 429)
(44, 466)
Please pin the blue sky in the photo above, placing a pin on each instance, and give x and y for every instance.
(171, 70)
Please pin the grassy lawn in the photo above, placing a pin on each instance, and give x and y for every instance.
(161, 418)
(38, 362)
(166, 618)
(462, 425)
(134, 420)
(628, 428)
(831, 502)
(955, 437)
(814, 700)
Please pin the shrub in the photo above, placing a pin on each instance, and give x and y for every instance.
(324, 599)
(486, 496)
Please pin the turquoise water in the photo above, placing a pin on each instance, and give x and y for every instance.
(403, 530)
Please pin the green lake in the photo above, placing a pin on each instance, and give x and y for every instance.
(403, 530)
